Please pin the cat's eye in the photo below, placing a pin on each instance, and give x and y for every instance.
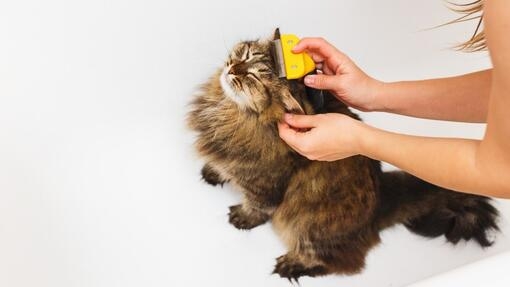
(257, 54)
(264, 71)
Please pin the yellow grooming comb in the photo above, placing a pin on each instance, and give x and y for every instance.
(289, 65)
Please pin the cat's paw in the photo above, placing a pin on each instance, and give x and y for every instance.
(292, 268)
(211, 177)
(244, 220)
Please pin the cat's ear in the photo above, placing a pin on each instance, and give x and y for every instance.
(291, 104)
(276, 34)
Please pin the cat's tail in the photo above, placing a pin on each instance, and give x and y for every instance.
(432, 211)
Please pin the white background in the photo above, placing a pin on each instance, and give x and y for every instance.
(99, 184)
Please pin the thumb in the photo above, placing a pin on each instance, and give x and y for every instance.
(322, 82)
(300, 121)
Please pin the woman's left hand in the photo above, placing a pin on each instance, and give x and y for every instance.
(327, 137)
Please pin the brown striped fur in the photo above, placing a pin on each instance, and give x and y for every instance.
(329, 214)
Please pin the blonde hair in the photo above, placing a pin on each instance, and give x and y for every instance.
(470, 11)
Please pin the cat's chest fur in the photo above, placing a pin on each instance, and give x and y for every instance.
(243, 147)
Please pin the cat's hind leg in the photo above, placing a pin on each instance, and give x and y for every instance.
(293, 265)
(322, 238)
(342, 255)
(301, 260)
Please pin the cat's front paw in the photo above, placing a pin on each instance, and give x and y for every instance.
(211, 176)
(245, 220)
(291, 267)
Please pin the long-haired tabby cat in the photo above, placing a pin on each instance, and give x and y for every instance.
(329, 214)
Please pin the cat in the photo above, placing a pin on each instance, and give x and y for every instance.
(329, 214)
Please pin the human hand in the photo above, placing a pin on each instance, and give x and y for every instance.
(329, 137)
(340, 75)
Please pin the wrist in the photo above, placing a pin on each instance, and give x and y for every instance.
(380, 96)
(365, 139)
(375, 96)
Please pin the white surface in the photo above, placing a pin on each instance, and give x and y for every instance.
(492, 271)
(99, 185)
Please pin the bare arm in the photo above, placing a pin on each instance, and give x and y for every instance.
(462, 98)
(481, 167)
(473, 166)
(452, 163)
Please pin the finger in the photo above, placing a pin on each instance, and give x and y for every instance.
(322, 51)
(300, 121)
(317, 58)
(289, 135)
(327, 70)
(321, 81)
(319, 45)
(298, 141)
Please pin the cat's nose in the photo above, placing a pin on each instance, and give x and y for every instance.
(236, 70)
(232, 70)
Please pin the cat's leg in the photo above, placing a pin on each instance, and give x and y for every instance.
(259, 204)
(211, 176)
(322, 238)
(301, 260)
(344, 254)
(247, 215)
(294, 265)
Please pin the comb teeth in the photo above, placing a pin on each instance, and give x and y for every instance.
(278, 58)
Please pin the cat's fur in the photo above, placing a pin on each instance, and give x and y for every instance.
(329, 214)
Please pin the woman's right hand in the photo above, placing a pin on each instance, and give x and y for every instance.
(340, 75)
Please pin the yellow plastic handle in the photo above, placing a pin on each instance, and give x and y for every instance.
(296, 65)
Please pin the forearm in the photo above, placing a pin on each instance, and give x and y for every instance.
(451, 163)
(461, 98)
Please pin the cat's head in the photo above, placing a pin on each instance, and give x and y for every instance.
(249, 78)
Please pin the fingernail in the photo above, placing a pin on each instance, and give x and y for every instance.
(309, 80)
(287, 117)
